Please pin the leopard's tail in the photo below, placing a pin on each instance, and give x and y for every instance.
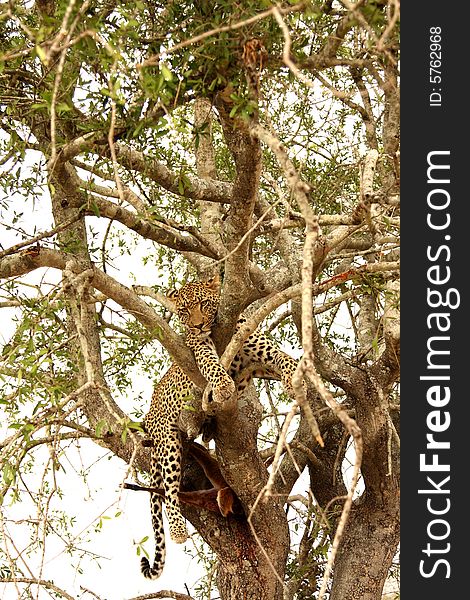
(154, 571)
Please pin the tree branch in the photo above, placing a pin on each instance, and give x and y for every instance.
(156, 231)
(39, 582)
(24, 262)
(237, 288)
(163, 594)
(197, 188)
(387, 367)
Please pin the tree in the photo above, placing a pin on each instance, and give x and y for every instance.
(253, 139)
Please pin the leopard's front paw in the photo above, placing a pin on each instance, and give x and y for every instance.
(223, 391)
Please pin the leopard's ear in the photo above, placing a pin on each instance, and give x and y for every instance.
(171, 296)
(214, 283)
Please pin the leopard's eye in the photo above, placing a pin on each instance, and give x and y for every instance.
(183, 313)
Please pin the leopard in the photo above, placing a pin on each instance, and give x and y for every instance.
(196, 305)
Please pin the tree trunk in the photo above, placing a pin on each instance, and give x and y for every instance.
(249, 575)
(251, 565)
(248, 584)
(372, 532)
(362, 568)
(248, 567)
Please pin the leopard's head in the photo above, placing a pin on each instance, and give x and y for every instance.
(196, 304)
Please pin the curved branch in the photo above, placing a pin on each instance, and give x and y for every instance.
(196, 188)
(275, 300)
(41, 582)
(26, 261)
(334, 41)
(156, 231)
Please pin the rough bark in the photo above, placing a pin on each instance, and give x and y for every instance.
(361, 569)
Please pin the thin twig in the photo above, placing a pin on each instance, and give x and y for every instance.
(154, 60)
(286, 49)
(63, 33)
(391, 24)
(40, 236)
(87, 591)
(246, 234)
(112, 147)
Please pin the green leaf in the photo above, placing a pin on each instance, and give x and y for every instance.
(39, 105)
(136, 425)
(94, 208)
(63, 107)
(41, 54)
(101, 428)
(9, 473)
(167, 74)
(234, 110)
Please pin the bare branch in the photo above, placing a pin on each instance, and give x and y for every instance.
(246, 153)
(38, 582)
(286, 49)
(155, 230)
(210, 212)
(197, 189)
(163, 594)
(307, 368)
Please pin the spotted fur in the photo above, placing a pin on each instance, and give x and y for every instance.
(196, 306)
